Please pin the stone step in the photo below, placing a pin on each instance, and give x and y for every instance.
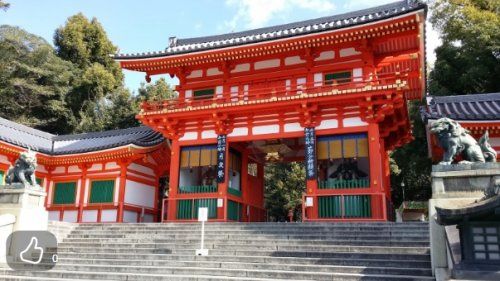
(235, 249)
(232, 253)
(253, 265)
(242, 236)
(214, 243)
(245, 273)
(253, 259)
(254, 239)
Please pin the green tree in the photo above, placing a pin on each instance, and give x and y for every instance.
(158, 91)
(4, 5)
(468, 61)
(98, 99)
(34, 82)
(284, 186)
(411, 165)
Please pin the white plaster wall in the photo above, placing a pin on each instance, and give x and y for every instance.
(293, 127)
(267, 64)
(328, 124)
(108, 215)
(129, 216)
(111, 165)
(58, 170)
(348, 52)
(239, 132)
(78, 188)
(142, 169)
(96, 167)
(357, 74)
(353, 122)
(89, 216)
(117, 190)
(266, 129)
(189, 136)
(318, 79)
(326, 55)
(241, 67)
(188, 93)
(301, 81)
(70, 216)
(74, 169)
(4, 159)
(219, 91)
(293, 60)
(209, 134)
(213, 71)
(139, 194)
(54, 216)
(39, 168)
(195, 74)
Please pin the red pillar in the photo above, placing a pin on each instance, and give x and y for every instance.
(174, 180)
(83, 184)
(121, 195)
(376, 175)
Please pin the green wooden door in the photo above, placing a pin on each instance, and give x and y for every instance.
(64, 193)
(185, 209)
(330, 206)
(102, 191)
(234, 210)
(211, 204)
(2, 177)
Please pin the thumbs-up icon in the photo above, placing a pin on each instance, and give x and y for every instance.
(32, 251)
(29, 250)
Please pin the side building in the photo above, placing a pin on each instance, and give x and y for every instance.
(330, 92)
(111, 176)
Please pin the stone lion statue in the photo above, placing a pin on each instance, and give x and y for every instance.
(23, 170)
(455, 140)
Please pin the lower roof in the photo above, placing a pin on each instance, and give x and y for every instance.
(36, 140)
(473, 107)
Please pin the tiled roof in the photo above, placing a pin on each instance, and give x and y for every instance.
(37, 140)
(188, 45)
(464, 107)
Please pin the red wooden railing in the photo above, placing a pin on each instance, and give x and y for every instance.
(275, 92)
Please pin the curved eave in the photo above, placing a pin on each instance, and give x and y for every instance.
(159, 63)
(475, 210)
(124, 151)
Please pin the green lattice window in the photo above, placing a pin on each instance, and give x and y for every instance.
(64, 193)
(204, 93)
(337, 77)
(2, 176)
(102, 191)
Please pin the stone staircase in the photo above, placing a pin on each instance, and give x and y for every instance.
(241, 251)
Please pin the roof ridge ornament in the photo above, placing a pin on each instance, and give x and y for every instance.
(172, 42)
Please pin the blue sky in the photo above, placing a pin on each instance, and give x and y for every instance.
(141, 26)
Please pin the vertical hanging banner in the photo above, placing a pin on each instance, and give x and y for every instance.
(310, 153)
(221, 158)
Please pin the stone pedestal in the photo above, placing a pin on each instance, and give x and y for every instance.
(26, 204)
(455, 186)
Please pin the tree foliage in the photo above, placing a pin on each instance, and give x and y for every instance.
(411, 165)
(284, 186)
(468, 61)
(34, 82)
(158, 91)
(4, 5)
(98, 98)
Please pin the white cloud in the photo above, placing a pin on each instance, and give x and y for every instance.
(432, 41)
(257, 13)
